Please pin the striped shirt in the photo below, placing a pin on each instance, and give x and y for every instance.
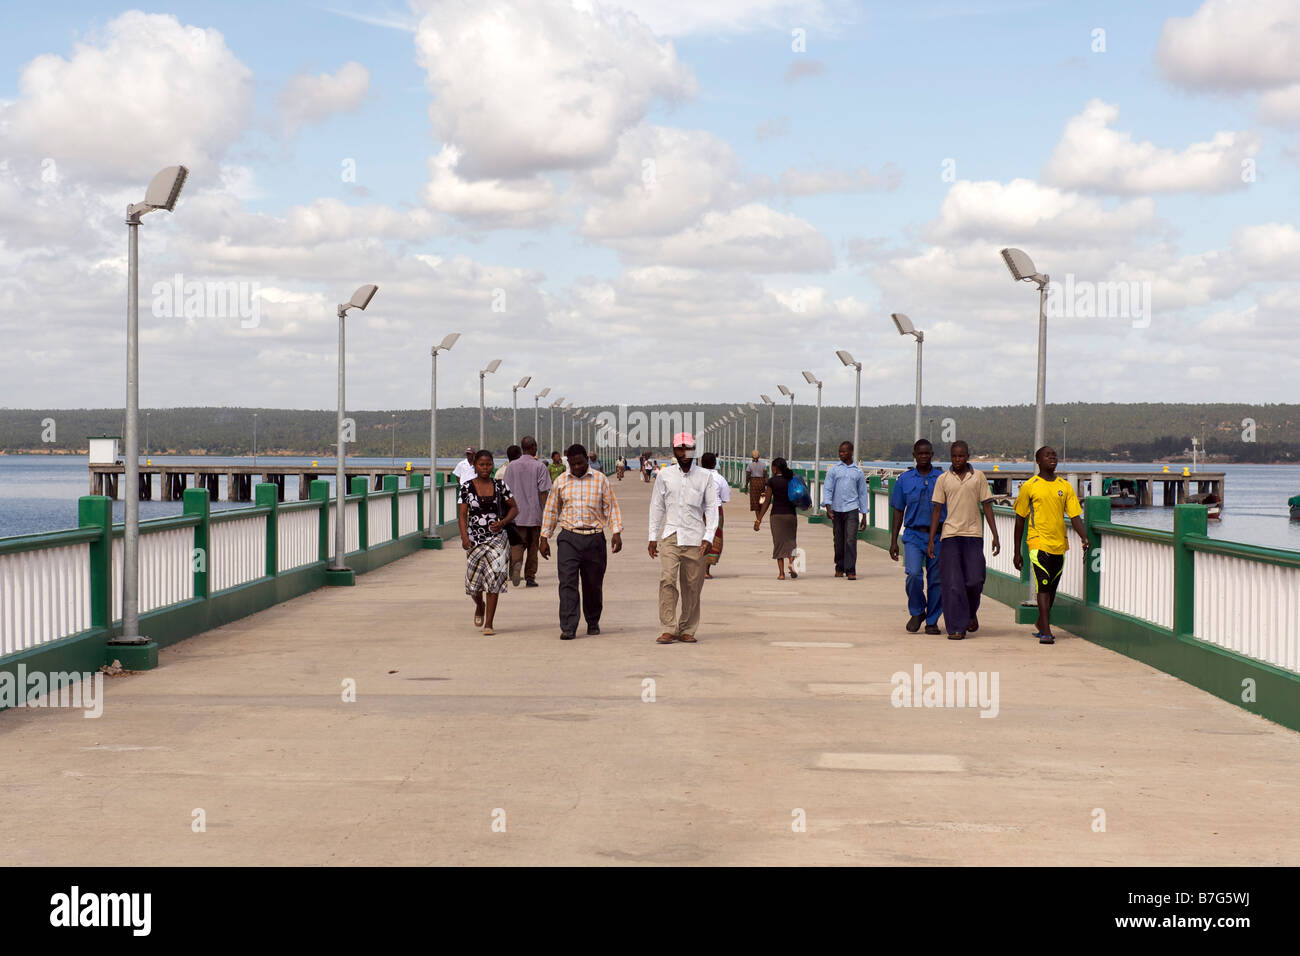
(586, 502)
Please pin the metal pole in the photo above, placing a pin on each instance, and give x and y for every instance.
(771, 435)
(340, 481)
(919, 340)
(817, 446)
(514, 415)
(857, 405)
(392, 448)
(535, 401)
(790, 437)
(552, 442)
(481, 441)
(131, 532)
(433, 448)
(254, 439)
(1040, 411)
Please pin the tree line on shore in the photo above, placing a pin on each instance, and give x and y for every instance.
(1136, 432)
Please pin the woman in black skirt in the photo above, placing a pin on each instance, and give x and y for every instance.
(486, 507)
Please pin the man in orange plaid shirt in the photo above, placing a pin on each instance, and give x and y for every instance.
(582, 503)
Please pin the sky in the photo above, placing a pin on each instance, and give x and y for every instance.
(652, 200)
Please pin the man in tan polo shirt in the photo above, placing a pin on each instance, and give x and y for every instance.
(961, 559)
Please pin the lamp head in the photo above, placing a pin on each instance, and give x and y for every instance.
(492, 366)
(544, 392)
(447, 343)
(785, 391)
(767, 399)
(523, 382)
(845, 358)
(811, 379)
(361, 298)
(163, 191)
(1022, 267)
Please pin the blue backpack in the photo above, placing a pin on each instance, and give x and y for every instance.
(797, 492)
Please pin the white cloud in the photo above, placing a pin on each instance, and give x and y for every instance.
(512, 203)
(797, 182)
(145, 93)
(1233, 45)
(752, 237)
(682, 17)
(311, 99)
(1091, 155)
(1023, 212)
(523, 88)
(1281, 105)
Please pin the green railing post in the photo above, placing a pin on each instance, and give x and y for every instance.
(96, 511)
(1188, 520)
(360, 485)
(194, 501)
(416, 481)
(1096, 508)
(267, 495)
(873, 486)
(319, 490)
(390, 485)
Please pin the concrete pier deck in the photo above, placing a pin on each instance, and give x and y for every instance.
(781, 712)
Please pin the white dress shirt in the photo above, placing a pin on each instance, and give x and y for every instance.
(684, 503)
(464, 471)
(724, 489)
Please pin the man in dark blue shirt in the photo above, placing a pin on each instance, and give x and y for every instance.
(910, 508)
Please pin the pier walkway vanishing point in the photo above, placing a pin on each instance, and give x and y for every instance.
(780, 715)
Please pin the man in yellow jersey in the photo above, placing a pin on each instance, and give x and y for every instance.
(1045, 501)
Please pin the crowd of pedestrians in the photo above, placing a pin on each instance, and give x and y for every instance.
(509, 518)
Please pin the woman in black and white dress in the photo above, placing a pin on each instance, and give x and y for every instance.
(486, 506)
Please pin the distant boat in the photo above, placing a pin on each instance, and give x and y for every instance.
(1213, 506)
(1122, 492)
(1295, 507)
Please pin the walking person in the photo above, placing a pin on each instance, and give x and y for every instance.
(530, 481)
(784, 523)
(485, 508)
(647, 469)
(1044, 502)
(709, 462)
(583, 505)
(464, 470)
(683, 519)
(756, 472)
(555, 467)
(847, 503)
(620, 466)
(909, 505)
(512, 454)
(965, 492)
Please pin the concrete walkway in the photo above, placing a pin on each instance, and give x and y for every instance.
(451, 730)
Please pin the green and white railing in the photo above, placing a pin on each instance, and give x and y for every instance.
(60, 600)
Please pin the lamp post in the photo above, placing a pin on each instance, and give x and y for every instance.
(482, 432)
(162, 193)
(1064, 422)
(536, 400)
(254, 438)
(789, 445)
(905, 327)
(771, 427)
(847, 359)
(514, 415)
(446, 344)
(554, 405)
(1022, 269)
(338, 572)
(812, 379)
(566, 436)
(146, 432)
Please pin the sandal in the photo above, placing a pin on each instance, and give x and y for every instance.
(488, 631)
(794, 573)
(665, 638)
(478, 619)
(688, 639)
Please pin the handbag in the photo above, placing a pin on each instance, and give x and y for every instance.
(512, 533)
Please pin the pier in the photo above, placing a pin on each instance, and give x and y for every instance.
(238, 481)
(615, 750)
(1175, 487)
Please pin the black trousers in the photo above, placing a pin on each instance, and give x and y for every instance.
(844, 527)
(580, 557)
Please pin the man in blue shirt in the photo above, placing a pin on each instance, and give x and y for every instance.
(845, 498)
(910, 507)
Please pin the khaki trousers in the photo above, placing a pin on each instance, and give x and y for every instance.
(682, 575)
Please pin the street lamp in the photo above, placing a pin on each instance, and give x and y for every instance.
(254, 439)
(514, 415)
(811, 379)
(338, 572)
(789, 454)
(771, 426)
(492, 367)
(1064, 422)
(905, 327)
(847, 359)
(536, 399)
(162, 192)
(554, 405)
(1022, 269)
(446, 344)
(393, 443)
(566, 438)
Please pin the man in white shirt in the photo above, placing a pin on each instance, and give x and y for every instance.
(464, 470)
(683, 518)
(709, 462)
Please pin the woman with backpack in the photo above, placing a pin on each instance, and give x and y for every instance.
(486, 507)
(784, 523)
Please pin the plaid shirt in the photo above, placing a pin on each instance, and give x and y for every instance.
(586, 502)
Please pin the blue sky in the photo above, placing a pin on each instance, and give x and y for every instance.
(727, 275)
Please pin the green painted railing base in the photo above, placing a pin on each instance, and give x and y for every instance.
(133, 657)
(79, 654)
(818, 519)
(336, 578)
(435, 543)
